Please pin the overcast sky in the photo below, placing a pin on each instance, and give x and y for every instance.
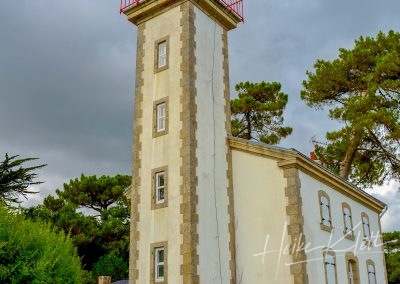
(67, 73)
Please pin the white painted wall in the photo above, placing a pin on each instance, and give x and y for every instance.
(260, 210)
(161, 224)
(319, 238)
(213, 248)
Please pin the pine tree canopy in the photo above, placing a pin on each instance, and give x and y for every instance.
(257, 112)
(16, 179)
(361, 88)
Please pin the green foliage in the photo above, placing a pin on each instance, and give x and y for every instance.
(361, 88)
(391, 242)
(93, 236)
(95, 193)
(32, 252)
(111, 265)
(15, 179)
(113, 230)
(257, 112)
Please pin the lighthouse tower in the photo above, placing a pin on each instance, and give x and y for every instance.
(182, 221)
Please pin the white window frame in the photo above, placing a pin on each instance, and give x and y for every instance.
(161, 116)
(159, 264)
(162, 54)
(156, 201)
(160, 187)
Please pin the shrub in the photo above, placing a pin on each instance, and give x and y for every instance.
(111, 265)
(32, 252)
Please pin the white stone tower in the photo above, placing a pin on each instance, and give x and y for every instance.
(182, 224)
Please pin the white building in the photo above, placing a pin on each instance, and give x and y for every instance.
(302, 223)
(209, 208)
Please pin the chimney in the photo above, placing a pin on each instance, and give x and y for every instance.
(313, 156)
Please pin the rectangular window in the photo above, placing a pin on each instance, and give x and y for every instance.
(160, 117)
(161, 54)
(159, 262)
(325, 211)
(326, 218)
(371, 272)
(348, 222)
(366, 227)
(350, 273)
(160, 187)
(330, 268)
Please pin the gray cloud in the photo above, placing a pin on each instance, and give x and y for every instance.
(67, 74)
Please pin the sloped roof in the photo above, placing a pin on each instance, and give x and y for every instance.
(286, 157)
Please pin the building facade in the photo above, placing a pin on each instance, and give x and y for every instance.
(296, 222)
(206, 206)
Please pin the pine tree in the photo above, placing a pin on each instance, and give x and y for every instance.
(257, 112)
(362, 89)
(16, 179)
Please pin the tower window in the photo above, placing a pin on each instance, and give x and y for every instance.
(160, 117)
(159, 264)
(161, 110)
(161, 54)
(159, 258)
(159, 186)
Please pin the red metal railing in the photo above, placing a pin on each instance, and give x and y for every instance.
(125, 4)
(234, 6)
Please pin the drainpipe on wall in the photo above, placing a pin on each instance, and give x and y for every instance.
(383, 211)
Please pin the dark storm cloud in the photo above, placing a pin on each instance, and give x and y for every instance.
(67, 73)
(280, 40)
(66, 86)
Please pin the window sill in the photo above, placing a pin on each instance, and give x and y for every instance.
(326, 228)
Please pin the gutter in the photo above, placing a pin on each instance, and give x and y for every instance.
(383, 211)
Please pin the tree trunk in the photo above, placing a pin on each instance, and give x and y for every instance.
(345, 165)
(248, 126)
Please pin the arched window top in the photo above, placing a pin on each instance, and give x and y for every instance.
(324, 194)
(345, 204)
